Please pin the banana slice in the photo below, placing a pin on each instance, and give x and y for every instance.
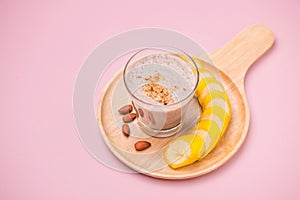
(216, 114)
(184, 150)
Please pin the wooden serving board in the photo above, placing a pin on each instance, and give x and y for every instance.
(232, 62)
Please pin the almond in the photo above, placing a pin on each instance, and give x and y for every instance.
(125, 109)
(126, 130)
(142, 145)
(129, 117)
(137, 114)
(141, 112)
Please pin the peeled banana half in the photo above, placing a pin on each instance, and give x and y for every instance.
(213, 122)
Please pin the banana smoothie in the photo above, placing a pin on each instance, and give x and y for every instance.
(161, 85)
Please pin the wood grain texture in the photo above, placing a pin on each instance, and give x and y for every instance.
(236, 57)
(232, 62)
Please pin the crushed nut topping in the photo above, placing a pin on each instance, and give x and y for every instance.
(155, 78)
(159, 93)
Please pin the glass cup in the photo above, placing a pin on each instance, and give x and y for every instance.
(161, 82)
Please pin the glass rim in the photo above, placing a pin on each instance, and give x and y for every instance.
(194, 64)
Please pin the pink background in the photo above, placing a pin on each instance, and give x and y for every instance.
(42, 46)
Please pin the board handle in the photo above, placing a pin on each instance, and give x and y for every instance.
(236, 57)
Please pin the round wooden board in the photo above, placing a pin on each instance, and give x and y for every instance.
(240, 53)
(151, 160)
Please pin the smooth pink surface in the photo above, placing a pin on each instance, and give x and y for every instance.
(42, 46)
